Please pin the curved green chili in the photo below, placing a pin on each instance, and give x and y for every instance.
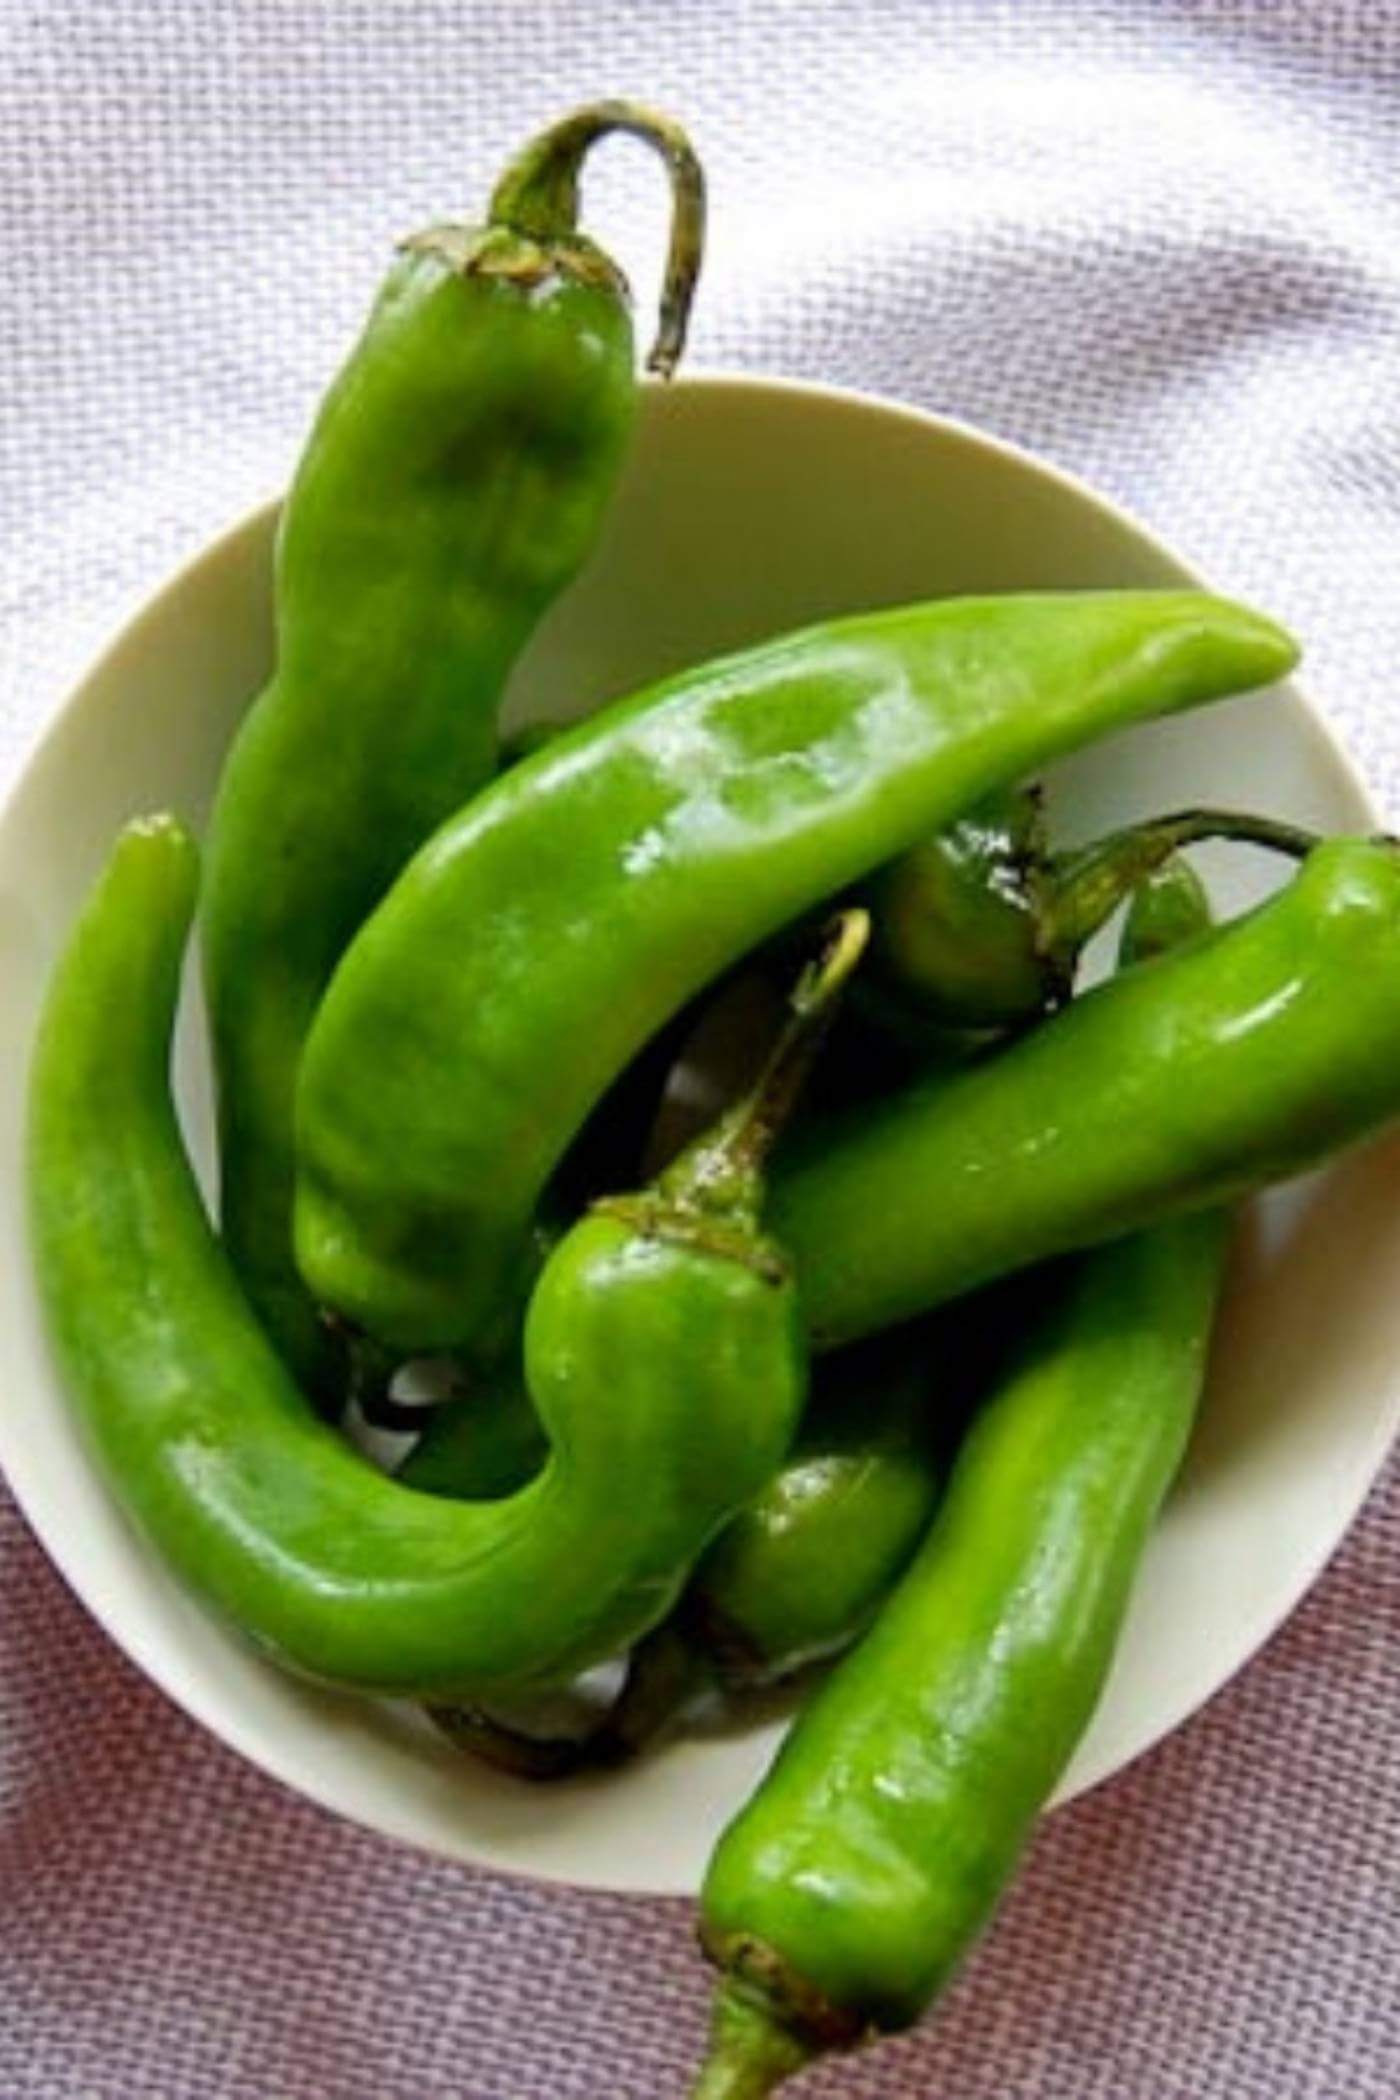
(545, 933)
(799, 1571)
(1254, 1053)
(663, 1352)
(456, 478)
(840, 1900)
(795, 1576)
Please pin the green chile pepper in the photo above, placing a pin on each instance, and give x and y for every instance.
(471, 1441)
(980, 927)
(663, 1352)
(794, 1577)
(843, 1896)
(546, 932)
(455, 481)
(1251, 1055)
(995, 924)
(799, 1573)
(952, 920)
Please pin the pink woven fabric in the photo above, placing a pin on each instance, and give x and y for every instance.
(1156, 241)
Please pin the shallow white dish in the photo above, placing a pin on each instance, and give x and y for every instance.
(749, 506)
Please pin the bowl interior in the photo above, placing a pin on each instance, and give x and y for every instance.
(748, 507)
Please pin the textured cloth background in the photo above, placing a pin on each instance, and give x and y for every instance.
(1160, 243)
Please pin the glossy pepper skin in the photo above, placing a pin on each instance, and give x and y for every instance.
(592, 890)
(979, 928)
(794, 1577)
(953, 918)
(841, 1899)
(454, 482)
(1249, 1056)
(800, 1572)
(663, 1353)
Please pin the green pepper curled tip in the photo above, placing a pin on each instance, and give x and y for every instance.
(537, 196)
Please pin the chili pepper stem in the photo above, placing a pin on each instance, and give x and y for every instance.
(664, 1671)
(538, 196)
(751, 2052)
(721, 1171)
(536, 1757)
(1081, 889)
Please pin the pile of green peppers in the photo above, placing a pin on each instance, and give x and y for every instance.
(903, 1387)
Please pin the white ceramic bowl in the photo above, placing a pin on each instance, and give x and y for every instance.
(749, 506)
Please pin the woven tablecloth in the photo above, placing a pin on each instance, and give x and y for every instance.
(1159, 243)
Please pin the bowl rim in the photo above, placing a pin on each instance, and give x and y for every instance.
(716, 379)
(224, 1721)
